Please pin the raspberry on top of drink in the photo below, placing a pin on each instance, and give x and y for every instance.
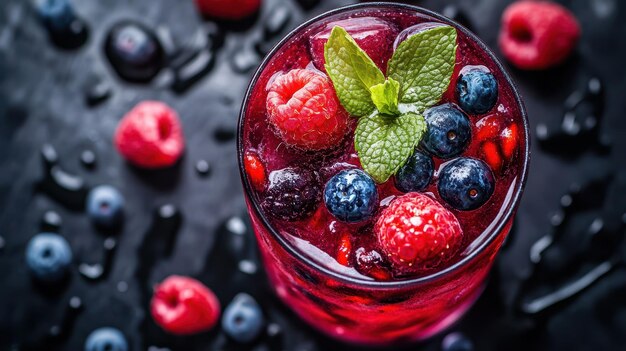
(384, 145)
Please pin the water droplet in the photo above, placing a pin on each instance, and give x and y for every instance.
(456, 342)
(277, 21)
(203, 168)
(247, 267)
(236, 226)
(2, 243)
(51, 222)
(224, 134)
(122, 286)
(244, 60)
(88, 159)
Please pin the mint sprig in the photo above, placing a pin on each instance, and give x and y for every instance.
(419, 73)
(352, 72)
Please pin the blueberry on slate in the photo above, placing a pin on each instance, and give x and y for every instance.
(416, 173)
(476, 90)
(48, 256)
(456, 342)
(134, 51)
(106, 339)
(292, 194)
(243, 320)
(466, 183)
(57, 14)
(351, 195)
(105, 206)
(449, 131)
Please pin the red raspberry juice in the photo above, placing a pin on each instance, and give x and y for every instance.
(312, 263)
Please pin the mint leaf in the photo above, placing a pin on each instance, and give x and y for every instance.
(423, 65)
(352, 72)
(384, 143)
(385, 96)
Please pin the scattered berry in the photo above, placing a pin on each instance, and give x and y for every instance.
(106, 339)
(476, 90)
(371, 263)
(345, 247)
(304, 110)
(48, 257)
(416, 173)
(134, 51)
(228, 9)
(150, 135)
(183, 306)
(292, 193)
(466, 183)
(417, 233)
(373, 35)
(243, 320)
(351, 196)
(256, 170)
(538, 34)
(448, 133)
(105, 206)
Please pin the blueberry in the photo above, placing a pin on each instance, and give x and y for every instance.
(476, 90)
(416, 173)
(106, 339)
(105, 206)
(57, 14)
(351, 195)
(48, 256)
(456, 342)
(243, 320)
(292, 194)
(134, 51)
(466, 183)
(448, 133)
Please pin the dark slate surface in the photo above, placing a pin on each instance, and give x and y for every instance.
(42, 100)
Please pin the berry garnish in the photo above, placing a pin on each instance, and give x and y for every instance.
(106, 339)
(466, 183)
(243, 319)
(228, 9)
(373, 35)
(351, 196)
(48, 257)
(292, 193)
(498, 142)
(538, 34)
(304, 110)
(150, 135)
(183, 306)
(105, 206)
(255, 169)
(371, 263)
(448, 133)
(345, 248)
(416, 173)
(417, 234)
(476, 90)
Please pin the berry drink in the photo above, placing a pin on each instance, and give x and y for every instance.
(383, 152)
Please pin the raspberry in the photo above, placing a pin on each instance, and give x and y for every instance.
(183, 306)
(255, 170)
(537, 34)
(373, 35)
(228, 9)
(305, 111)
(150, 135)
(417, 234)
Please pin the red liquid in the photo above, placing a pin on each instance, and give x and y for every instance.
(365, 306)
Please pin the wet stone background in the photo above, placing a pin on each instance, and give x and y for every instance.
(559, 283)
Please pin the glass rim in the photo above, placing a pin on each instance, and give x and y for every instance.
(374, 284)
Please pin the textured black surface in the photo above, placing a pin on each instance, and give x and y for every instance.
(45, 98)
